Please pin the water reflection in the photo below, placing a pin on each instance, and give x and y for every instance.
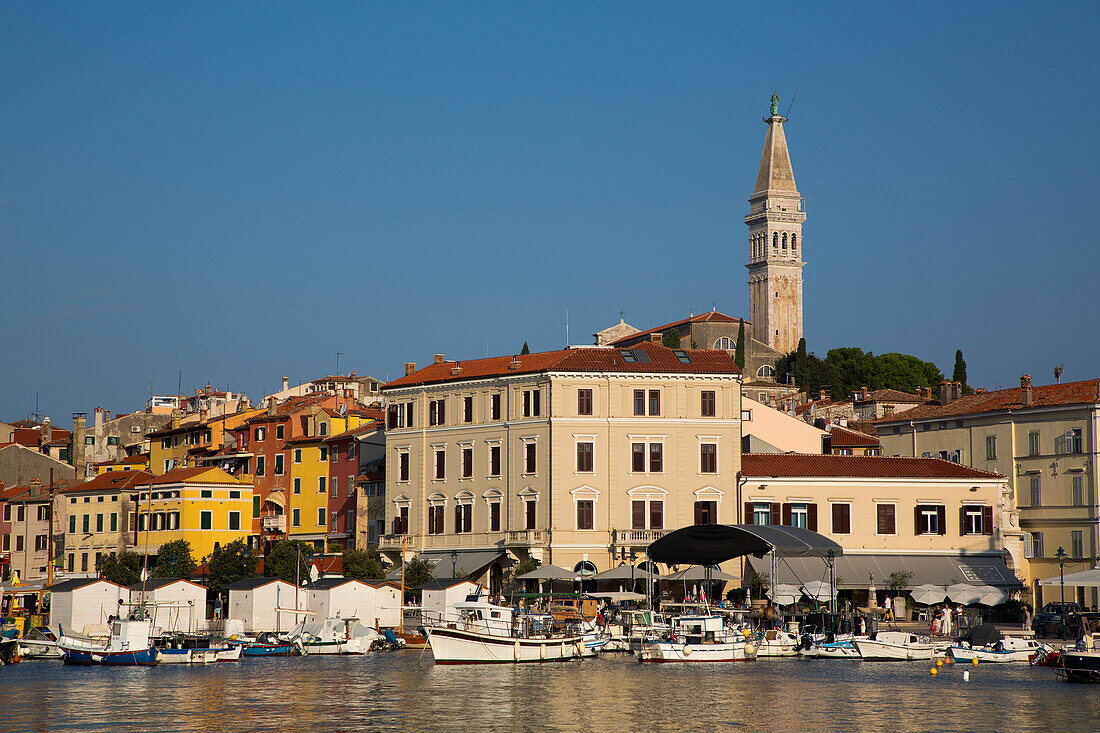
(405, 691)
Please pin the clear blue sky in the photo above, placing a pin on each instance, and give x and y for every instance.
(239, 191)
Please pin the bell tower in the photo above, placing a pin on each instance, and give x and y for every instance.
(775, 244)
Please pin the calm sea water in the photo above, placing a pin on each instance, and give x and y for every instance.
(405, 691)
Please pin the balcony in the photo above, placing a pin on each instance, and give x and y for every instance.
(390, 542)
(274, 523)
(636, 537)
(527, 538)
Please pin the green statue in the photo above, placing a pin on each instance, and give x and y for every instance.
(775, 104)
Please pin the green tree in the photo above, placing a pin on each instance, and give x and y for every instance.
(361, 564)
(854, 369)
(289, 560)
(525, 350)
(229, 563)
(959, 375)
(174, 560)
(417, 573)
(672, 338)
(739, 353)
(123, 568)
(808, 373)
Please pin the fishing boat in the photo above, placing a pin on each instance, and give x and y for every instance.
(129, 644)
(484, 633)
(777, 643)
(896, 646)
(195, 649)
(267, 644)
(633, 628)
(829, 646)
(1080, 666)
(699, 638)
(1008, 649)
(334, 636)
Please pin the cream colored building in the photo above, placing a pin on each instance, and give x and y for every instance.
(940, 521)
(97, 519)
(767, 430)
(1044, 439)
(571, 457)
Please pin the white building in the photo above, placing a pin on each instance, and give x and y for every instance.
(177, 605)
(267, 604)
(439, 596)
(81, 602)
(374, 605)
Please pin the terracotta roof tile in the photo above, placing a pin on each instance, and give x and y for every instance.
(112, 480)
(708, 317)
(889, 395)
(845, 437)
(1051, 395)
(777, 465)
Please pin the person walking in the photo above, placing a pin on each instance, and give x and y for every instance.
(1027, 618)
(945, 628)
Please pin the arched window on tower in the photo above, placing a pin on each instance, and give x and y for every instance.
(794, 245)
(725, 342)
(784, 243)
(766, 372)
(775, 243)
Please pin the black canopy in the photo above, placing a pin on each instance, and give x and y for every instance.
(710, 544)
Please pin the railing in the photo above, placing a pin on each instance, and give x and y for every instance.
(527, 538)
(274, 523)
(390, 541)
(636, 536)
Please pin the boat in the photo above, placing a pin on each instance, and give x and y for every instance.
(633, 629)
(700, 638)
(829, 646)
(195, 649)
(39, 643)
(267, 644)
(484, 633)
(335, 636)
(129, 644)
(1008, 649)
(896, 646)
(777, 643)
(1080, 666)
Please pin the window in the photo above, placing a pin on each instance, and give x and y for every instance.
(584, 457)
(296, 517)
(206, 520)
(322, 453)
(99, 523)
(72, 525)
(72, 558)
(164, 443)
(1076, 543)
(1037, 548)
(842, 518)
(87, 523)
(708, 458)
(464, 514)
(89, 440)
(531, 400)
(584, 402)
(321, 484)
(203, 494)
(255, 506)
(706, 512)
(929, 519)
(321, 516)
(440, 463)
(21, 512)
(529, 514)
(234, 495)
(297, 485)
(886, 520)
(1033, 443)
(83, 562)
(112, 440)
(334, 487)
(656, 514)
(322, 429)
(639, 402)
(351, 450)
(42, 542)
(529, 458)
(494, 406)
(800, 516)
(681, 356)
(494, 460)
(766, 372)
(637, 514)
(437, 412)
(1036, 492)
(403, 466)
(332, 522)
(974, 520)
(259, 465)
(467, 409)
(494, 516)
(585, 513)
(1078, 489)
(991, 447)
(761, 512)
(467, 463)
(278, 464)
(401, 521)
(654, 402)
(637, 457)
(656, 457)
(334, 453)
(19, 543)
(260, 433)
(706, 403)
(279, 432)
(725, 343)
(234, 520)
(1073, 445)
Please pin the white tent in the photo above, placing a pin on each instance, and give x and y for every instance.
(785, 594)
(819, 590)
(928, 594)
(1085, 579)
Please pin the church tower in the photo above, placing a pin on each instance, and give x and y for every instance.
(775, 244)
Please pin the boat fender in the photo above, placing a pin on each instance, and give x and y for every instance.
(515, 650)
(686, 650)
(578, 647)
(542, 651)
(750, 649)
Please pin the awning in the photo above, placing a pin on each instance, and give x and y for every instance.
(711, 544)
(697, 572)
(466, 563)
(624, 572)
(1085, 578)
(854, 571)
(549, 572)
(277, 497)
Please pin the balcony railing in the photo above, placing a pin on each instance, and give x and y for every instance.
(636, 537)
(274, 523)
(527, 538)
(390, 542)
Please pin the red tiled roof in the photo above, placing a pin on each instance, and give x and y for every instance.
(779, 465)
(889, 395)
(1051, 395)
(845, 437)
(708, 317)
(187, 474)
(112, 480)
(587, 359)
(367, 427)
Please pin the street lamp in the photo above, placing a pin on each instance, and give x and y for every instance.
(633, 557)
(1061, 555)
(454, 563)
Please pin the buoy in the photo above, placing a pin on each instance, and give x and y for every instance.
(933, 672)
(975, 662)
(685, 649)
(750, 649)
(939, 662)
(966, 675)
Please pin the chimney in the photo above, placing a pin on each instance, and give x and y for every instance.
(1025, 390)
(270, 405)
(945, 392)
(36, 489)
(821, 395)
(47, 431)
(98, 420)
(438, 359)
(956, 390)
(286, 383)
(76, 455)
(456, 369)
(928, 393)
(410, 367)
(514, 364)
(106, 416)
(863, 393)
(656, 338)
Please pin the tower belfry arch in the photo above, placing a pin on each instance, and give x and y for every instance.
(775, 218)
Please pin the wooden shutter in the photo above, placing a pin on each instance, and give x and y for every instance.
(699, 512)
(987, 520)
(637, 520)
(786, 515)
(842, 519)
(656, 515)
(917, 529)
(962, 521)
(530, 514)
(941, 513)
(494, 517)
(748, 518)
(882, 519)
(811, 517)
(775, 513)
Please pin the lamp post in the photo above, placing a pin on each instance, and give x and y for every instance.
(633, 557)
(1061, 555)
(830, 559)
(454, 563)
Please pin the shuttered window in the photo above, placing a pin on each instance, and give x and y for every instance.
(494, 517)
(585, 512)
(706, 512)
(656, 514)
(656, 457)
(584, 402)
(530, 514)
(886, 523)
(842, 518)
(637, 457)
(706, 403)
(637, 515)
(584, 457)
(708, 458)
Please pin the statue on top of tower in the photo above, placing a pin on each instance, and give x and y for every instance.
(775, 103)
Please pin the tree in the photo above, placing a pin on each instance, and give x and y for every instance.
(361, 564)
(174, 560)
(809, 373)
(899, 580)
(123, 568)
(959, 375)
(230, 563)
(524, 351)
(417, 572)
(672, 338)
(289, 560)
(739, 353)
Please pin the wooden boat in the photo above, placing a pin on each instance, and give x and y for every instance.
(777, 643)
(896, 646)
(699, 638)
(267, 645)
(128, 645)
(483, 633)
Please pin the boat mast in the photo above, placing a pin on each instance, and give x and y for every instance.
(401, 604)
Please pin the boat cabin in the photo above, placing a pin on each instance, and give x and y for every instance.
(699, 629)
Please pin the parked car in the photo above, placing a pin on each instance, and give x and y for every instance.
(1048, 622)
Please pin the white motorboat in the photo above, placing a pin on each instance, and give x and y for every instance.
(777, 643)
(484, 633)
(896, 646)
(129, 644)
(635, 627)
(1008, 649)
(830, 647)
(38, 644)
(334, 636)
(699, 639)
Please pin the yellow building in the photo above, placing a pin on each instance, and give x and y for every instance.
(308, 502)
(186, 440)
(97, 519)
(205, 506)
(140, 462)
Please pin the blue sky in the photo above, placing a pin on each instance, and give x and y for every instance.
(240, 191)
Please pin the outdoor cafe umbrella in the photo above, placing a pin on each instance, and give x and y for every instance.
(964, 593)
(819, 590)
(625, 572)
(785, 594)
(697, 572)
(549, 572)
(991, 596)
(928, 594)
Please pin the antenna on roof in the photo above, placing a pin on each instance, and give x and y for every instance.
(567, 328)
(788, 115)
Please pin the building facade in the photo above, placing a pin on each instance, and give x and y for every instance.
(97, 518)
